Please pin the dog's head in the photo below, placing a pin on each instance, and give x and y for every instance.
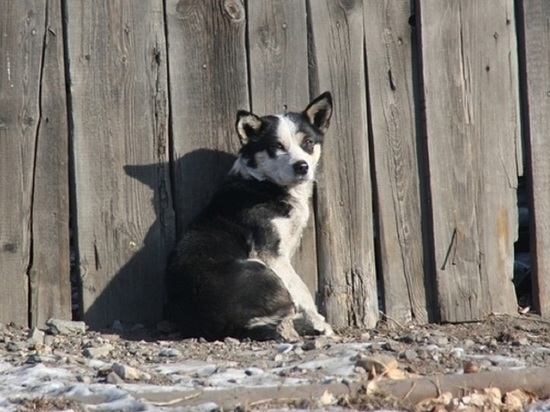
(284, 149)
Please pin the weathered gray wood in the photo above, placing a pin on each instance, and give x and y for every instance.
(208, 84)
(122, 190)
(49, 274)
(397, 169)
(471, 98)
(347, 278)
(22, 25)
(277, 39)
(537, 58)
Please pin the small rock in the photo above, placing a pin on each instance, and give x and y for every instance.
(15, 346)
(98, 352)
(521, 342)
(35, 336)
(231, 341)
(442, 341)
(407, 339)
(284, 347)
(298, 350)
(317, 343)
(365, 336)
(117, 326)
(253, 371)
(470, 367)
(32, 359)
(392, 346)
(114, 379)
(468, 343)
(83, 379)
(278, 358)
(457, 352)
(64, 327)
(410, 355)
(169, 353)
(129, 373)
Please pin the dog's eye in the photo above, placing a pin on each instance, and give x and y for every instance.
(308, 141)
(277, 146)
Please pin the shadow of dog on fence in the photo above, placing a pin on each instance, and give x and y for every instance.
(180, 190)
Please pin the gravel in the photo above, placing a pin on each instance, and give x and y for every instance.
(74, 368)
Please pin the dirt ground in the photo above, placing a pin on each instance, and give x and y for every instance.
(499, 343)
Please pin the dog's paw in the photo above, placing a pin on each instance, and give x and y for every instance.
(310, 322)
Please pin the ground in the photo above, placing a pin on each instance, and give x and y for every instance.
(153, 369)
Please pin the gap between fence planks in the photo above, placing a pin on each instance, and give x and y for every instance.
(536, 14)
(277, 39)
(472, 125)
(398, 171)
(347, 278)
(123, 215)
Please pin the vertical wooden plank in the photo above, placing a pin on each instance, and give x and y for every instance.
(277, 38)
(50, 286)
(123, 209)
(347, 277)
(471, 98)
(22, 26)
(536, 28)
(208, 84)
(397, 172)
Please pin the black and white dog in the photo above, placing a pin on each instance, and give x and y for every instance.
(230, 274)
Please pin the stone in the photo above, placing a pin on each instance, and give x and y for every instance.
(169, 353)
(129, 373)
(114, 379)
(231, 341)
(35, 336)
(117, 326)
(65, 327)
(98, 352)
(410, 355)
(252, 371)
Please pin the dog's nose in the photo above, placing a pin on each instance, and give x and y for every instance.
(301, 167)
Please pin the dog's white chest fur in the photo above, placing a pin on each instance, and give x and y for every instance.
(290, 228)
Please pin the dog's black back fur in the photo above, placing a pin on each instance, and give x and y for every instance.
(213, 256)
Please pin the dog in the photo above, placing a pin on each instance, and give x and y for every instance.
(230, 275)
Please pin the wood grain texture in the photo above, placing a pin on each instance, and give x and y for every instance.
(277, 39)
(472, 125)
(536, 17)
(397, 170)
(118, 79)
(347, 278)
(49, 274)
(208, 84)
(22, 26)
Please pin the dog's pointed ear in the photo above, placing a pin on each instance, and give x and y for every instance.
(247, 125)
(319, 111)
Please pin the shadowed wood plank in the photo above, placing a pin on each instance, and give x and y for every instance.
(122, 199)
(536, 15)
(347, 279)
(472, 125)
(279, 81)
(208, 84)
(397, 170)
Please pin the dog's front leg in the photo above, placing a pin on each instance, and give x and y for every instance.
(301, 295)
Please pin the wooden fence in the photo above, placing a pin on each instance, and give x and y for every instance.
(116, 124)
